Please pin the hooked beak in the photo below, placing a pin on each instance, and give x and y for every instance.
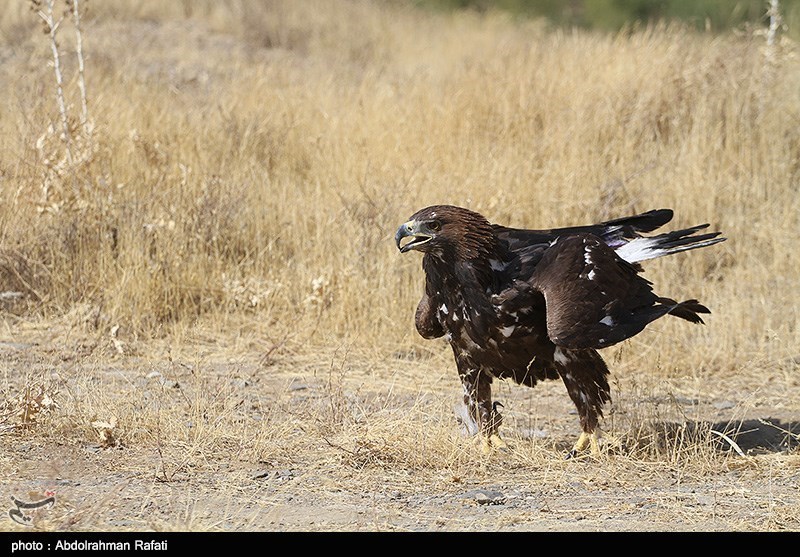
(411, 230)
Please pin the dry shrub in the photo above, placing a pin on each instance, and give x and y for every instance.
(33, 405)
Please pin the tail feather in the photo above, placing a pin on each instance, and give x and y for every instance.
(687, 310)
(686, 237)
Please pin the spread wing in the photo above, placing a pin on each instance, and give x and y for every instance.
(615, 232)
(594, 298)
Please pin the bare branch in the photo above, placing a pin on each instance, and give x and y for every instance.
(52, 28)
(81, 75)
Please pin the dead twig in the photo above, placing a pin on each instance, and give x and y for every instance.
(51, 27)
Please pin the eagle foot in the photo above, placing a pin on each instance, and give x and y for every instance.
(590, 440)
(492, 443)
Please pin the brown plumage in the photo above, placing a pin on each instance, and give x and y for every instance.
(531, 305)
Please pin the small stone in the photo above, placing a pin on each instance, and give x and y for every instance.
(486, 497)
(286, 474)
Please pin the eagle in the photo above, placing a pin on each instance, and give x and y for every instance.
(532, 305)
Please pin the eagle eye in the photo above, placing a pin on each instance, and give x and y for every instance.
(436, 226)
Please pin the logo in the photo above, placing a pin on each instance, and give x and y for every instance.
(23, 512)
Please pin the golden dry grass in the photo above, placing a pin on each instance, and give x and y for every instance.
(229, 227)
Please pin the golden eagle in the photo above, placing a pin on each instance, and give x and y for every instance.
(532, 305)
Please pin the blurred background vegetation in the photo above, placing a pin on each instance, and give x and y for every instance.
(614, 15)
(245, 163)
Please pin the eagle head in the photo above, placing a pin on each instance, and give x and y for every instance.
(446, 229)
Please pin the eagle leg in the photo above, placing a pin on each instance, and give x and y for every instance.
(478, 400)
(494, 441)
(585, 375)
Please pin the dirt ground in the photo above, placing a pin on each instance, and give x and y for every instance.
(332, 442)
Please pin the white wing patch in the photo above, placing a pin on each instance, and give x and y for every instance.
(640, 249)
(607, 320)
(508, 331)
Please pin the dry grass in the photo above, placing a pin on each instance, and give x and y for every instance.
(223, 235)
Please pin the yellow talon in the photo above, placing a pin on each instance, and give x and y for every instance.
(590, 440)
(497, 441)
(492, 443)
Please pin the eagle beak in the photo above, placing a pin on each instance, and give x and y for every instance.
(410, 230)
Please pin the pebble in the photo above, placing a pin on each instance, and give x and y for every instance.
(485, 496)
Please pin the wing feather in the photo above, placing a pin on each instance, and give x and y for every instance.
(614, 232)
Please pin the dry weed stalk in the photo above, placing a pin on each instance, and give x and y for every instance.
(78, 148)
(775, 23)
(730, 441)
(771, 48)
(76, 19)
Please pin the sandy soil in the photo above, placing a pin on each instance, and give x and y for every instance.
(368, 471)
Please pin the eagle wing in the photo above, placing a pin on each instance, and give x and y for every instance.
(614, 232)
(594, 298)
